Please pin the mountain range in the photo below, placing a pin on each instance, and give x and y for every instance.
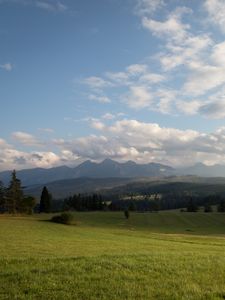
(114, 177)
(105, 169)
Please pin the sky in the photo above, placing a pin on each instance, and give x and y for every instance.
(140, 80)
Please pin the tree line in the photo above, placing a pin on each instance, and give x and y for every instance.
(13, 200)
(168, 201)
(79, 202)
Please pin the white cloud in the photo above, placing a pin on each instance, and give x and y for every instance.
(53, 6)
(172, 27)
(99, 98)
(166, 98)
(25, 138)
(218, 54)
(136, 69)
(145, 142)
(184, 53)
(47, 130)
(188, 107)
(14, 159)
(48, 5)
(216, 10)
(7, 67)
(3, 144)
(139, 97)
(108, 116)
(147, 7)
(213, 110)
(96, 124)
(183, 78)
(96, 82)
(204, 78)
(152, 78)
(125, 140)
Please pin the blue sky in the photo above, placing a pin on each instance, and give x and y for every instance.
(133, 79)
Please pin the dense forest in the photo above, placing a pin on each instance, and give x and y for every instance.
(152, 199)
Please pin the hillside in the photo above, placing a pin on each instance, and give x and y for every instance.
(64, 188)
(123, 186)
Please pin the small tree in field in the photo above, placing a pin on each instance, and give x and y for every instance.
(126, 213)
(45, 201)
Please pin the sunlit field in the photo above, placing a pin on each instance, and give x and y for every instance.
(104, 256)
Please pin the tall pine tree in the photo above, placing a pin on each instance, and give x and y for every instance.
(45, 201)
(2, 197)
(14, 195)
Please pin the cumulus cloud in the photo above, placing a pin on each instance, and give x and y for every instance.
(125, 140)
(172, 27)
(14, 159)
(198, 60)
(145, 142)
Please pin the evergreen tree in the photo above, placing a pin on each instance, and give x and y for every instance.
(45, 201)
(27, 205)
(221, 206)
(192, 207)
(2, 197)
(126, 213)
(208, 208)
(14, 195)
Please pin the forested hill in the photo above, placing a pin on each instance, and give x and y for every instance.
(116, 187)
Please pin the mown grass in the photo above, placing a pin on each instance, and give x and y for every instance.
(150, 256)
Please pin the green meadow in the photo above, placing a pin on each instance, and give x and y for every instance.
(165, 255)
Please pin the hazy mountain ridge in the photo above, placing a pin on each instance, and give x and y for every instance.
(203, 170)
(105, 169)
(113, 177)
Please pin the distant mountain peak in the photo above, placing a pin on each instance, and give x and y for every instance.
(108, 161)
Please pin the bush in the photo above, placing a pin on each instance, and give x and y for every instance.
(64, 218)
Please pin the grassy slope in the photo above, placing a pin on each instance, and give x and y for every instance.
(150, 256)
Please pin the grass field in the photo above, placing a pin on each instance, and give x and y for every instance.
(150, 256)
